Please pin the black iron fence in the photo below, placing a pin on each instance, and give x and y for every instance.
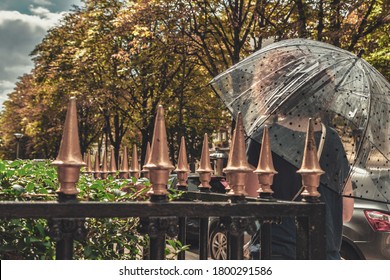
(160, 218)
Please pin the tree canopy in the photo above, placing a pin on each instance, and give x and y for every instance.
(123, 58)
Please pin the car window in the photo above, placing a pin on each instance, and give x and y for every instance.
(193, 183)
(217, 184)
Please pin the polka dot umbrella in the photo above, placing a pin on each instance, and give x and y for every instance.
(286, 82)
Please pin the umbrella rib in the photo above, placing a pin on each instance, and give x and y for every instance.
(249, 89)
(364, 132)
(348, 71)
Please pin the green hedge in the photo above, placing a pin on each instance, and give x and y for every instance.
(109, 239)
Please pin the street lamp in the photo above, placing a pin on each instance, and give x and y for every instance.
(18, 136)
(219, 157)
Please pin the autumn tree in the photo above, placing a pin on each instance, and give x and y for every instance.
(123, 58)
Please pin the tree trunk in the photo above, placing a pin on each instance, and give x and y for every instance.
(302, 33)
(320, 26)
(335, 24)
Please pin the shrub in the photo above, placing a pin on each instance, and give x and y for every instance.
(111, 238)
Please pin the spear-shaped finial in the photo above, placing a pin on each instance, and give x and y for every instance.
(145, 171)
(104, 170)
(310, 169)
(69, 159)
(205, 169)
(265, 168)
(113, 167)
(238, 166)
(89, 163)
(228, 188)
(182, 166)
(134, 170)
(124, 172)
(96, 168)
(159, 165)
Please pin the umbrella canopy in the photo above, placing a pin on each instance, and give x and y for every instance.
(291, 80)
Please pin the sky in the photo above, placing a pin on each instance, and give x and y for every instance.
(23, 25)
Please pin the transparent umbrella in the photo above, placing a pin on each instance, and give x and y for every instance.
(294, 79)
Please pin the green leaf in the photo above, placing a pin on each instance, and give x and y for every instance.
(40, 229)
(15, 163)
(2, 166)
(42, 190)
(10, 172)
(49, 183)
(30, 187)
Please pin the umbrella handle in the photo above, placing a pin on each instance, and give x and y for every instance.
(322, 141)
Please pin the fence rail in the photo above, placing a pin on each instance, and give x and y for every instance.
(312, 228)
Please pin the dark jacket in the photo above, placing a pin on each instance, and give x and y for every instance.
(287, 147)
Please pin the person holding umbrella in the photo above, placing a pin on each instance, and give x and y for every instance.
(287, 138)
(282, 86)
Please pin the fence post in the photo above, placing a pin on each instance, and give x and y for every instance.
(96, 168)
(124, 171)
(144, 171)
(237, 168)
(204, 171)
(182, 176)
(310, 171)
(159, 167)
(113, 168)
(104, 169)
(265, 171)
(134, 170)
(68, 162)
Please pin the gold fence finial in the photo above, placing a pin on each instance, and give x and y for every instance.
(69, 159)
(113, 167)
(205, 169)
(124, 172)
(182, 166)
(238, 166)
(265, 169)
(310, 169)
(96, 169)
(145, 171)
(89, 163)
(159, 165)
(104, 169)
(134, 170)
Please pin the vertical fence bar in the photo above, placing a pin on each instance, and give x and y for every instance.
(68, 162)
(303, 246)
(204, 172)
(236, 247)
(238, 169)
(182, 236)
(96, 169)
(124, 172)
(159, 167)
(203, 238)
(266, 241)
(104, 169)
(144, 171)
(157, 247)
(113, 168)
(182, 176)
(311, 171)
(265, 172)
(316, 240)
(134, 169)
(64, 249)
